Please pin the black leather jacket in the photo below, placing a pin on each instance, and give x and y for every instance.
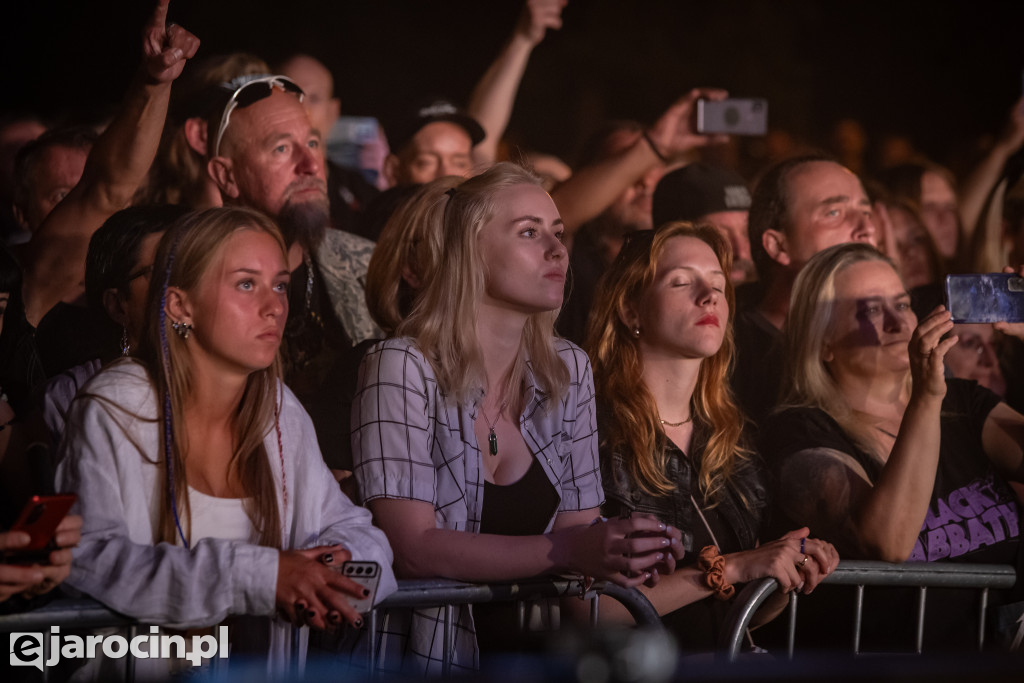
(676, 508)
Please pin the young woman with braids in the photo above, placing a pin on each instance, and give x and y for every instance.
(660, 336)
(197, 470)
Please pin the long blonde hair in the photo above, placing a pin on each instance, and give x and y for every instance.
(810, 321)
(183, 260)
(443, 319)
(631, 426)
(410, 240)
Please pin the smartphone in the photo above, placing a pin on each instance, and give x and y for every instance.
(367, 575)
(39, 519)
(985, 298)
(733, 116)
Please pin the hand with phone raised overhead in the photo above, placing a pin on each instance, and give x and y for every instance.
(36, 579)
(675, 133)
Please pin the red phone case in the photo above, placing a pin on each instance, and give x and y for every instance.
(39, 519)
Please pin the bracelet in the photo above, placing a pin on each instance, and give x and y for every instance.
(713, 565)
(654, 148)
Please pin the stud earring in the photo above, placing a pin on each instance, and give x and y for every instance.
(183, 329)
(636, 332)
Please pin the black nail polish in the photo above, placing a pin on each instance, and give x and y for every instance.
(328, 558)
(366, 592)
(310, 614)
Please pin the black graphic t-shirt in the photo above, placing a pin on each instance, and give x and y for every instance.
(973, 516)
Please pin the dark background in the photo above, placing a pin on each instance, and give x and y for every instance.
(942, 72)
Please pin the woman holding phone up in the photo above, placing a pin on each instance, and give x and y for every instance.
(197, 470)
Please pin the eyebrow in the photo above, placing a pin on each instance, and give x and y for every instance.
(253, 271)
(843, 198)
(692, 269)
(904, 295)
(537, 219)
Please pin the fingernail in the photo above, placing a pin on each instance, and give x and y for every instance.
(333, 616)
(647, 575)
(359, 623)
(661, 527)
(661, 556)
(327, 558)
(366, 592)
(177, 53)
(300, 605)
(666, 541)
(310, 613)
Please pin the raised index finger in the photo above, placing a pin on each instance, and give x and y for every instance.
(159, 17)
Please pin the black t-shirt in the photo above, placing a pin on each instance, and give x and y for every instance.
(757, 376)
(973, 516)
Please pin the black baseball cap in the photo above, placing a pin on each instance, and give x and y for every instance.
(696, 190)
(403, 127)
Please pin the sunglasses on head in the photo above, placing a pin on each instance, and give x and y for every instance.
(250, 93)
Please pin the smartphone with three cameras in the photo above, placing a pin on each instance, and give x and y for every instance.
(733, 116)
(985, 298)
(367, 575)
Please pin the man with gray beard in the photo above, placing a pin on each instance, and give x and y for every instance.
(265, 154)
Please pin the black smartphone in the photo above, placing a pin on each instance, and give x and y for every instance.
(39, 519)
(733, 116)
(985, 298)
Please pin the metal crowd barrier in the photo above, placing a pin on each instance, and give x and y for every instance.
(85, 613)
(921, 575)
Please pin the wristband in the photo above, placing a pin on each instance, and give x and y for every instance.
(713, 565)
(654, 148)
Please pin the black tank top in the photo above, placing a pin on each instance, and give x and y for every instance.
(520, 509)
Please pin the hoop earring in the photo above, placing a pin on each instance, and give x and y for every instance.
(183, 329)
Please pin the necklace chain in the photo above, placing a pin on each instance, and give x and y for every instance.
(309, 281)
(492, 438)
(675, 424)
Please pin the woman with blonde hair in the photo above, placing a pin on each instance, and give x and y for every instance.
(673, 441)
(877, 450)
(197, 470)
(473, 432)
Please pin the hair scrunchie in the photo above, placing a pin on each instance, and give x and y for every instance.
(711, 562)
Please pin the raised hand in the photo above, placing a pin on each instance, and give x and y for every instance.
(165, 48)
(674, 134)
(927, 351)
(537, 17)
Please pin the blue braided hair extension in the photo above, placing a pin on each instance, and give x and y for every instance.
(165, 357)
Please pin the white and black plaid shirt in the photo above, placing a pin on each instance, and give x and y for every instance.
(409, 441)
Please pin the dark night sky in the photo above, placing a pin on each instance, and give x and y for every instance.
(942, 72)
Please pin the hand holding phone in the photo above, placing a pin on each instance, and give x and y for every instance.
(40, 519)
(367, 575)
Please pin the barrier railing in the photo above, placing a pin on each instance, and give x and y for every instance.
(85, 613)
(860, 574)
